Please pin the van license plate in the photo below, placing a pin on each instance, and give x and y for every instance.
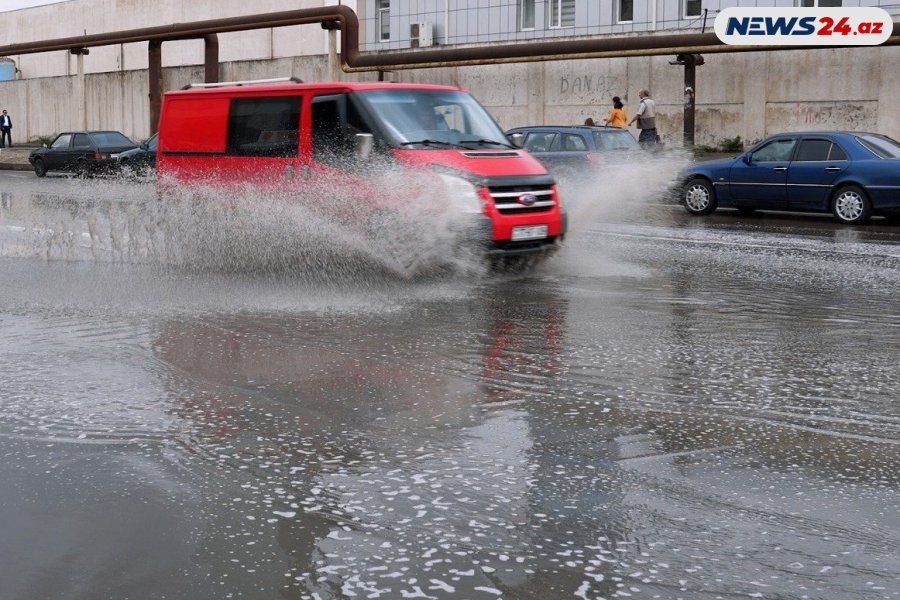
(531, 232)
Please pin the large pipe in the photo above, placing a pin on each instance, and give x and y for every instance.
(353, 60)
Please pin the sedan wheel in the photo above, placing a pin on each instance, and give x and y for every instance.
(83, 169)
(40, 169)
(699, 197)
(851, 205)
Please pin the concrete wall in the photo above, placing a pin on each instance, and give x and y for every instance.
(748, 94)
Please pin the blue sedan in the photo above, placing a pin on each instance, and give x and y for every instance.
(849, 174)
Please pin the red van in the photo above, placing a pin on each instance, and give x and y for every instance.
(294, 135)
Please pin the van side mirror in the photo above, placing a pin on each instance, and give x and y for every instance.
(517, 139)
(365, 142)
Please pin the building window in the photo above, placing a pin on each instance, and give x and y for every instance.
(692, 8)
(626, 11)
(562, 13)
(526, 15)
(821, 3)
(384, 19)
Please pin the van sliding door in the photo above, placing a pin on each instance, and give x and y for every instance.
(266, 128)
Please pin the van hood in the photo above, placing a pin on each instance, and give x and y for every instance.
(481, 162)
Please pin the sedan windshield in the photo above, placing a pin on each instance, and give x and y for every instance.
(436, 118)
(880, 145)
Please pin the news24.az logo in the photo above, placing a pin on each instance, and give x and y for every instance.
(849, 26)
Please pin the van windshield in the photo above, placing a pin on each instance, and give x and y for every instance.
(438, 118)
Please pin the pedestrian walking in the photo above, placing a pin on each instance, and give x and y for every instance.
(646, 119)
(617, 116)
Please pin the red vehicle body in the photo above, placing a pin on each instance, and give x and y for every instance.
(295, 135)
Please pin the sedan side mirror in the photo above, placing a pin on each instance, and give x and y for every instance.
(747, 157)
(517, 139)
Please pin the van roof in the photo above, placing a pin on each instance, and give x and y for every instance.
(250, 88)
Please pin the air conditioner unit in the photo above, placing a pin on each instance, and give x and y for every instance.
(421, 35)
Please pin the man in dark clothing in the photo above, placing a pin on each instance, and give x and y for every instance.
(5, 129)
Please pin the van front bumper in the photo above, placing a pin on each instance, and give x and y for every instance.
(523, 248)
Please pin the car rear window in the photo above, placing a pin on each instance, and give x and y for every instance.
(880, 145)
(81, 140)
(111, 138)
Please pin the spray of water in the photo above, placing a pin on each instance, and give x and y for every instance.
(415, 229)
(622, 185)
(399, 226)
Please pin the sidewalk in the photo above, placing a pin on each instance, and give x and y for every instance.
(15, 158)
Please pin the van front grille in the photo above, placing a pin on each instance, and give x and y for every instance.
(508, 199)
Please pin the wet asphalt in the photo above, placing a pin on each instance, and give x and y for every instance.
(670, 407)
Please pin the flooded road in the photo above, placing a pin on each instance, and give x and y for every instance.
(670, 407)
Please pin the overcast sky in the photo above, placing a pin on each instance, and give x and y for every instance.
(6, 5)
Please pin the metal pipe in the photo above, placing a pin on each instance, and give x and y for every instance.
(690, 93)
(354, 61)
(155, 83)
(211, 58)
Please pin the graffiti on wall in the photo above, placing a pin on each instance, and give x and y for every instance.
(857, 116)
(591, 87)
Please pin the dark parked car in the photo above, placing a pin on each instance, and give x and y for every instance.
(81, 152)
(568, 151)
(141, 160)
(849, 174)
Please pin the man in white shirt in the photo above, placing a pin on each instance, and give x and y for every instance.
(5, 129)
(646, 118)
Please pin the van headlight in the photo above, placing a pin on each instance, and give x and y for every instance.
(461, 193)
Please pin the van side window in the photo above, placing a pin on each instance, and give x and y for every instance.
(264, 126)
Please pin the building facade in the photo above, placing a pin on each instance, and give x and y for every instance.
(399, 24)
(747, 95)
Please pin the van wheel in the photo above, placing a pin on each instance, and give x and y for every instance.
(40, 169)
(699, 197)
(851, 205)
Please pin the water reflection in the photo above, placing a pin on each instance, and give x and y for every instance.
(664, 412)
(380, 450)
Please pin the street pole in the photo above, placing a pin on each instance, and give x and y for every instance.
(690, 63)
(82, 92)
